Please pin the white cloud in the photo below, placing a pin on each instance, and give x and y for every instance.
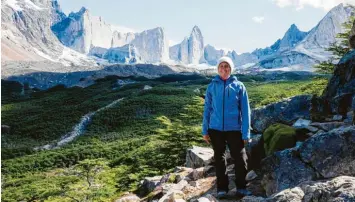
(323, 4)
(258, 19)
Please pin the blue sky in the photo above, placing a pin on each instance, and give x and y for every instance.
(234, 24)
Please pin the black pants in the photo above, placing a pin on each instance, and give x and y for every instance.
(233, 139)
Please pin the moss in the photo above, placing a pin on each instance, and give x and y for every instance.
(278, 137)
(172, 178)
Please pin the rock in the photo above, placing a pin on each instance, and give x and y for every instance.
(149, 184)
(179, 186)
(197, 174)
(312, 129)
(332, 153)
(173, 196)
(341, 86)
(286, 111)
(199, 157)
(278, 137)
(181, 173)
(146, 87)
(301, 123)
(203, 199)
(194, 183)
(337, 117)
(251, 175)
(337, 189)
(319, 132)
(179, 169)
(166, 187)
(283, 170)
(349, 118)
(207, 198)
(328, 125)
(5, 129)
(294, 194)
(209, 171)
(129, 198)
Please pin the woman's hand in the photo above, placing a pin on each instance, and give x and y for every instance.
(207, 138)
(246, 142)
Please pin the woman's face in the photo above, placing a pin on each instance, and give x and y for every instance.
(224, 70)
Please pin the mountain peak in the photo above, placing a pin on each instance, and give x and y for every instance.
(195, 29)
(293, 26)
(83, 10)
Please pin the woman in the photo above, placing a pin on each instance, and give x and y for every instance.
(226, 121)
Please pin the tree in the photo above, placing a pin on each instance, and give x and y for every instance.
(94, 181)
(339, 48)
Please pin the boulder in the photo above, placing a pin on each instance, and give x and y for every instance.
(286, 111)
(278, 137)
(331, 153)
(199, 157)
(283, 170)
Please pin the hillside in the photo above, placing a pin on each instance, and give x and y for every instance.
(145, 134)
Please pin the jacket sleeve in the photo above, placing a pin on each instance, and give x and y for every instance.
(207, 111)
(245, 112)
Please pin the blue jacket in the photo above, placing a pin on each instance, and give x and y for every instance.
(226, 107)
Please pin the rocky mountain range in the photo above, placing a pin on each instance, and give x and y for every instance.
(38, 31)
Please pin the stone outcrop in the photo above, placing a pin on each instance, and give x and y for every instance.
(286, 111)
(331, 154)
(276, 171)
(337, 97)
(341, 188)
(198, 157)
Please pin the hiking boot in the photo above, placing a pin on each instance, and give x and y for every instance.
(243, 192)
(221, 194)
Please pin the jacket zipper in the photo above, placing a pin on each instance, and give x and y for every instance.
(224, 91)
